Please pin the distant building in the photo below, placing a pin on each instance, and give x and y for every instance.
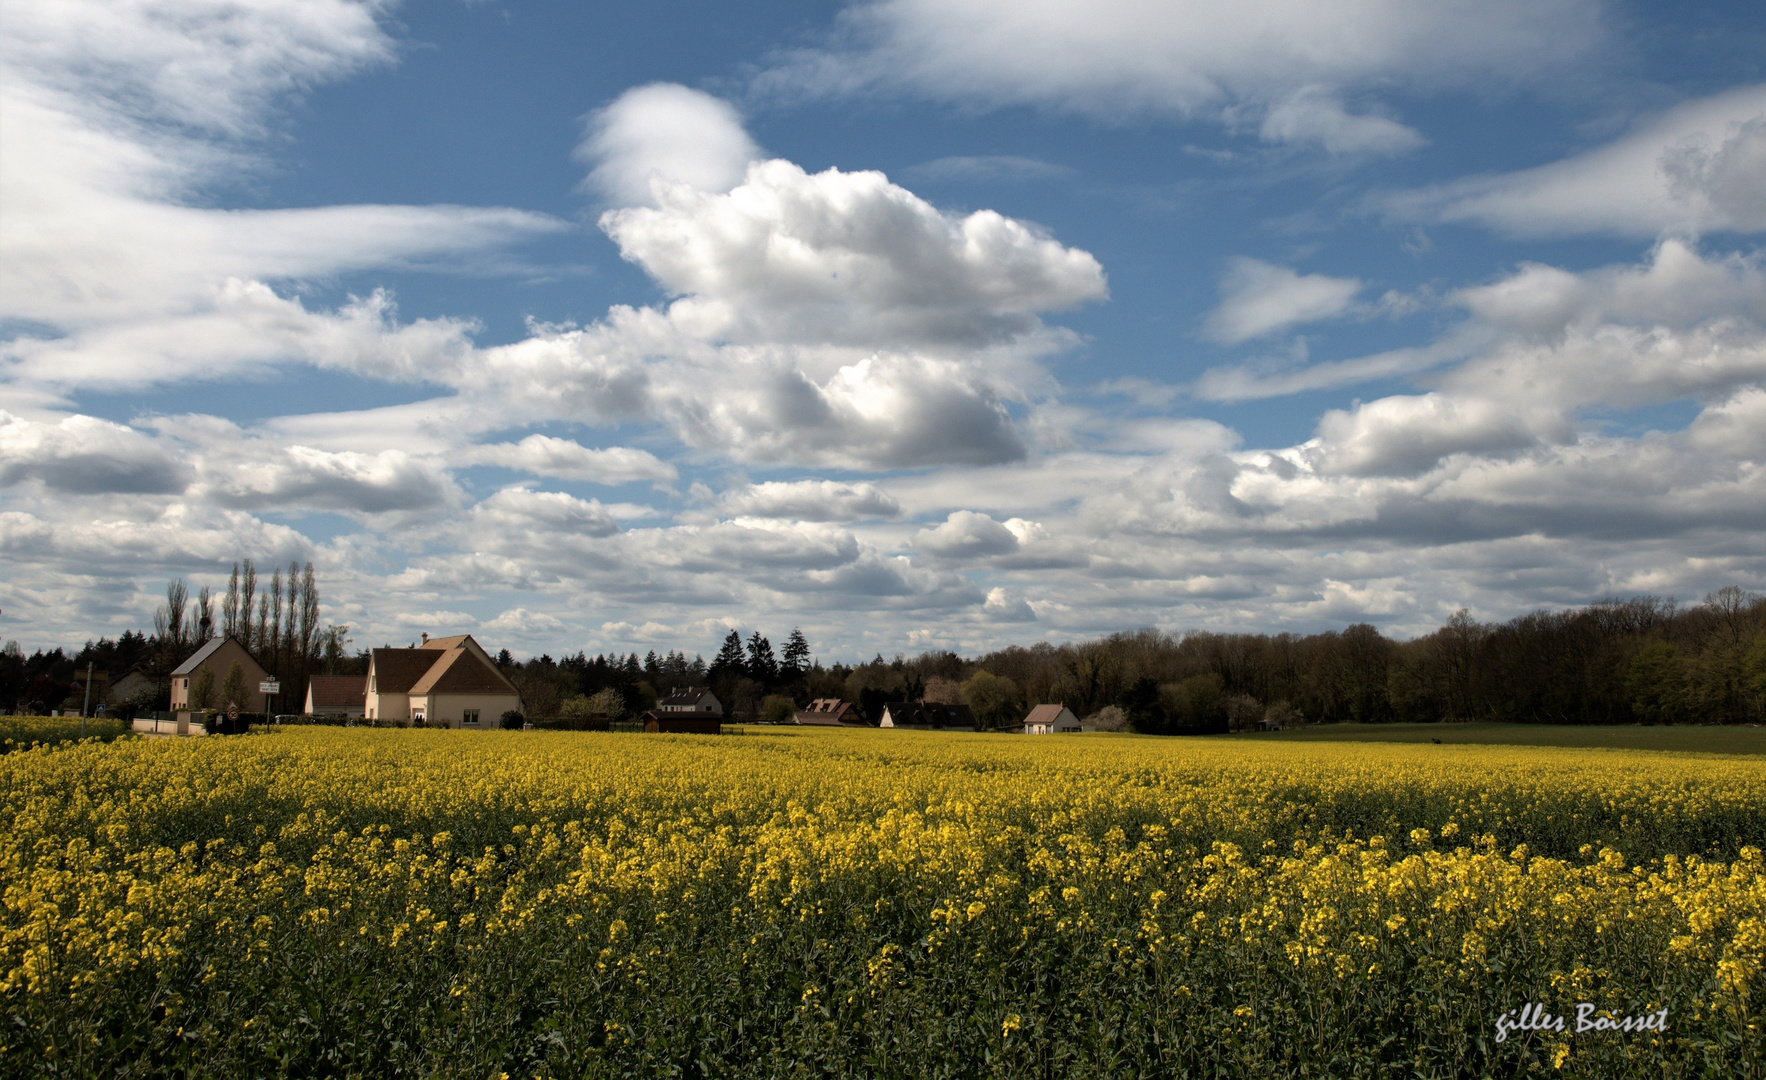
(444, 682)
(927, 715)
(218, 656)
(132, 685)
(692, 701)
(1050, 720)
(337, 695)
(831, 712)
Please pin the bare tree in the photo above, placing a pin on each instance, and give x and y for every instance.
(230, 606)
(205, 616)
(248, 587)
(273, 641)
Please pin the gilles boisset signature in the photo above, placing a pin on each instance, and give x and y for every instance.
(1533, 1017)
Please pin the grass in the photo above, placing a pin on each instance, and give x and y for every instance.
(1688, 738)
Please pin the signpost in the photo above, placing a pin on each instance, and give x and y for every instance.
(269, 688)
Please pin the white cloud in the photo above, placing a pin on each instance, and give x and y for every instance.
(522, 512)
(446, 621)
(1315, 114)
(1278, 63)
(966, 534)
(847, 258)
(665, 134)
(1698, 167)
(544, 455)
(250, 474)
(81, 455)
(116, 120)
(1258, 298)
(1679, 324)
(1410, 434)
(809, 500)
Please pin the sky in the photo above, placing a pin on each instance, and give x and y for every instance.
(916, 324)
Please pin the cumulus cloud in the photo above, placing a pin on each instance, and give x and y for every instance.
(1238, 63)
(967, 534)
(847, 258)
(296, 479)
(1259, 298)
(1410, 434)
(665, 134)
(809, 500)
(565, 459)
(1698, 167)
(529, 516)
(81, 455)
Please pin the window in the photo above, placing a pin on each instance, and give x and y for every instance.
(417, 716)
(470, 716)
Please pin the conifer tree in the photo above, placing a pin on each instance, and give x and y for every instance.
(762, 667)
(796, 658)
(730, 659)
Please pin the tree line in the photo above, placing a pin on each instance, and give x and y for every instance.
(1644, 659)
(277, 621)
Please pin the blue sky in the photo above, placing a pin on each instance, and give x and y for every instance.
(914, 324)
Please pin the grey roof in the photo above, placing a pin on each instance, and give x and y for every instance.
(197, 658)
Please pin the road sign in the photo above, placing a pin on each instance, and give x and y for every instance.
(270, 687)
(232, 713)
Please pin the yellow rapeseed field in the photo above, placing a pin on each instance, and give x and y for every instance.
(335, 902)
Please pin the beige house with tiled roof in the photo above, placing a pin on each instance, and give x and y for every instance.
(219, 655)
(444, 682)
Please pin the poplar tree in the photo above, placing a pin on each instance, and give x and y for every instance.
(230, 606)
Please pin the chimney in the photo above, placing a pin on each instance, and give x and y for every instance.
(425, 639)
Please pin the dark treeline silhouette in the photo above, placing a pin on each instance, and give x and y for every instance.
(1642, 660)
(283, 632)
(1621, 661)
(1638, 660)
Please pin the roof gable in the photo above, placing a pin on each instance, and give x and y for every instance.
(395, 671)
(208, 650)
(1049, 714)
(462, 672)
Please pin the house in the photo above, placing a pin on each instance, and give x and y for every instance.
(131, 687)
(337, 695)
(444, 682)
(831, 712)
(218, 656)
(702, 722)
(927, 715)
(694, 701)
(1050, 720)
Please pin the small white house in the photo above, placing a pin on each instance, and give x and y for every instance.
(691, 701)
(1050, 720)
